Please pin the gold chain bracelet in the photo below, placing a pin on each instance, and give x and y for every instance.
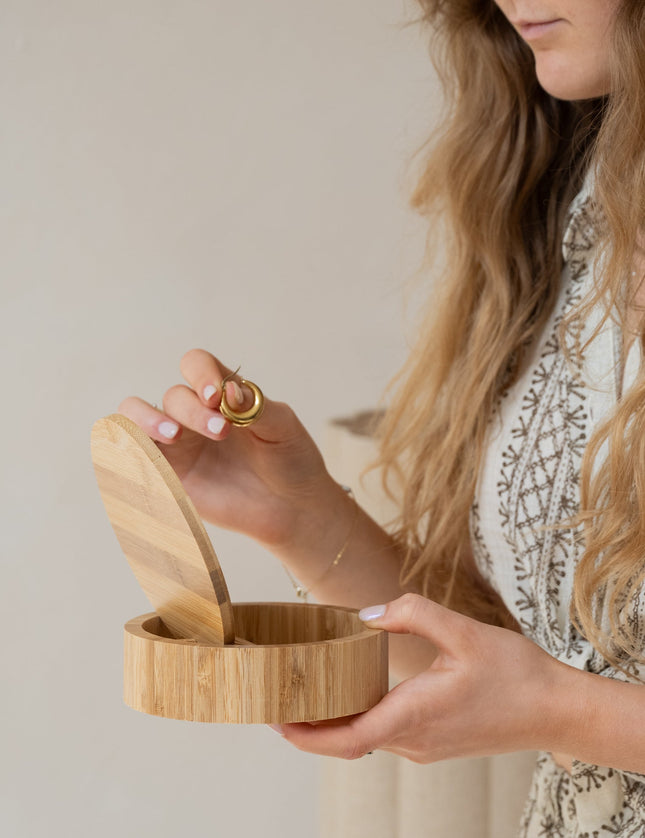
(301, 591)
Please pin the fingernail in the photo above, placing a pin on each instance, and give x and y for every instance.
(168, 429)
(373, 612)
(278, 729)
(209, 391)
(216, 423)
(235, 393)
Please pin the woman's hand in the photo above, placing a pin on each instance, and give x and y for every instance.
(488, 691)
(258, 480)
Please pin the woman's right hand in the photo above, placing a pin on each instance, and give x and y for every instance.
(265, 480)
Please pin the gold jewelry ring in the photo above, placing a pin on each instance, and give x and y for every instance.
(242, 418)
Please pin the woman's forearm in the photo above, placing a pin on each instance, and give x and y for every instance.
(596, 720)
(367, 573)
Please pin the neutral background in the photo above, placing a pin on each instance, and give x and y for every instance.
(178, 174)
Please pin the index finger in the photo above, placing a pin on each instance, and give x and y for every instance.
(206, 375)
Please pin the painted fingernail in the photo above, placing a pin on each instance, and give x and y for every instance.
(278, 729)
(216, 423)
(209, 391)
(373, 612)
(234, 392)
(168, 429)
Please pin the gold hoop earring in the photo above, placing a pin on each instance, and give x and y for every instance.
(242, 418)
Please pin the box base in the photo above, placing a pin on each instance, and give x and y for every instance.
(308, 663)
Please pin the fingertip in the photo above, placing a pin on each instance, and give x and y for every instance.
(209, 392)
(234, 393)
(162, 428)
(399, 616)
(154, 422)
(169, 430)
(293, 732)
(372, 613)
(217, 425)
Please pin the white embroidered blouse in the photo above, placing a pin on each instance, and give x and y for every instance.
(529, 482)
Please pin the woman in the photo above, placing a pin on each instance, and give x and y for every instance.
(517, 434)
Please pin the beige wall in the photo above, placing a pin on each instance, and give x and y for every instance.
(174, 174)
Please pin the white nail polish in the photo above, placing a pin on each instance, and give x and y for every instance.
(168, 429)
(209, 391)
(371, 613)
(216, 423)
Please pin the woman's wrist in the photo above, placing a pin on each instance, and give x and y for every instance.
(303, 591)
(558, 708)
(593, 719)
(339, 554)
(323, 526)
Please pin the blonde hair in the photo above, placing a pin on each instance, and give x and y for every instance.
(496, 184)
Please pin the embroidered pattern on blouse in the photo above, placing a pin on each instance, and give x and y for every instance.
(537, 488)
(538, 485)
(481, 553)
(592, 802)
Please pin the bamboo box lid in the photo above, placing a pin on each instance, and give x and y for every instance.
(198, 656)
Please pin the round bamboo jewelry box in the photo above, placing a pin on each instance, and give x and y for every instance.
(198, 656)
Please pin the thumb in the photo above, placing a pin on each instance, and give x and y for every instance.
(414, 614)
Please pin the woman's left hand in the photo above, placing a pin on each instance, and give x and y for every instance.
(488, 691)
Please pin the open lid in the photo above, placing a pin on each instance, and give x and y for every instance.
(161, 533)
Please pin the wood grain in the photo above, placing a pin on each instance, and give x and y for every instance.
(161, 533)
(310, 662)
(288, 662)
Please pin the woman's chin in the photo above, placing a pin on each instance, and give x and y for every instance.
(566, 83)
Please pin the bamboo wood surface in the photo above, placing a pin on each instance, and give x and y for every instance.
(161, 533)
(310, 662)
(199, 657)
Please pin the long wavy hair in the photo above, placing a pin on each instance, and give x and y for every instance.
(496, 183)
